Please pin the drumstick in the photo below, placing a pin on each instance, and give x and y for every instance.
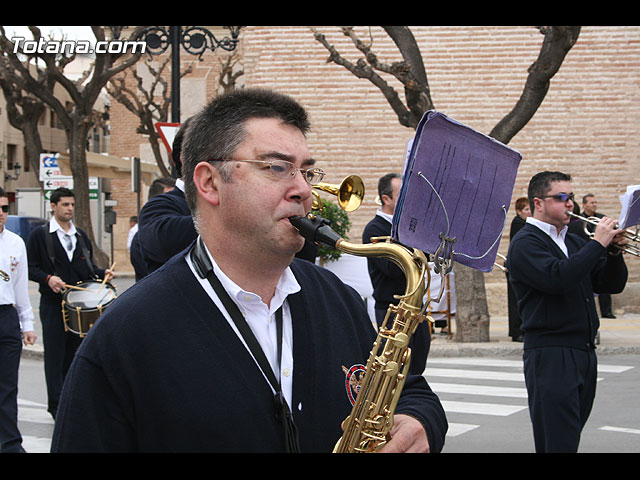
(76, 288)
(104, 280)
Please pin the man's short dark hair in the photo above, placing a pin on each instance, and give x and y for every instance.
(216, 132)
(385, 185)
(58, 193)
(540, 184)
(159, 184)
(586, 197)
(3, 193)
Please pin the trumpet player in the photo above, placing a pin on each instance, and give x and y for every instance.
(554, 275)
(233, 345)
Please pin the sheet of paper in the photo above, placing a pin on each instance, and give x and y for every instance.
(456, 181)
(630, 213)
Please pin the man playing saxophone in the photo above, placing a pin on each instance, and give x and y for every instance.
(232, 345)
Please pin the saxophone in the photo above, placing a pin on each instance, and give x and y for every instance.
(367, 427)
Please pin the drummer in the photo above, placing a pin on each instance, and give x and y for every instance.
(59, 254)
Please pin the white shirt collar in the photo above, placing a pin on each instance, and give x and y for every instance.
(386, 216)
(54, 226)
(552, 231)
(180, 184)
(286, 285)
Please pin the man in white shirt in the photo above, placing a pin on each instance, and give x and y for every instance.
(16, 325)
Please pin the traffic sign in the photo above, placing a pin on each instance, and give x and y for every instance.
(167, 133)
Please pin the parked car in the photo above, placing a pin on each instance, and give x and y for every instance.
(23, 225)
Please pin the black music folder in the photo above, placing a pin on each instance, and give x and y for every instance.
(457, 184)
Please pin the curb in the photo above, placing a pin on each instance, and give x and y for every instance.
(489, 349)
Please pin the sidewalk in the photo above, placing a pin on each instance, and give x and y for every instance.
(618, 336)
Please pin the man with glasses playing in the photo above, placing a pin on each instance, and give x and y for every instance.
(554, 275)
(234, 345)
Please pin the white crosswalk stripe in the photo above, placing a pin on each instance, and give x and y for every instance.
(33, 413)
(486, 387)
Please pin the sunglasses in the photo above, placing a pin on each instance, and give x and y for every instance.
(5, 208)
(561, 197)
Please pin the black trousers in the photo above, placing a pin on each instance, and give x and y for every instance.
(419, 343)
(59, 349)
(561, 386)
(604, 299)
(10, 350)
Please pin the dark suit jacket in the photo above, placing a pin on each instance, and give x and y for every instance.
(165, 227)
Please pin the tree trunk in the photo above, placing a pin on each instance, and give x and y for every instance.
(472, 312)
(80, 171)
(32, 145)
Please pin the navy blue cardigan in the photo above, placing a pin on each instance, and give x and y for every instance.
(162, 371)
(555, 293)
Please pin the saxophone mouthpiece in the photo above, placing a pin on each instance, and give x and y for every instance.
(315, 229)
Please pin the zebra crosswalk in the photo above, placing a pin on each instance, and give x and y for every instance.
(474, 388)
(473, 391)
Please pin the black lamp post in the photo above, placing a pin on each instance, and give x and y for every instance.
(195, 40)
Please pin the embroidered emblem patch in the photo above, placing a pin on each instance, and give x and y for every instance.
(353, 380)
(14, 263)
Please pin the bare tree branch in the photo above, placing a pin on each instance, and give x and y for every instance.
(362, 70)
(557, 43)
(150, 104)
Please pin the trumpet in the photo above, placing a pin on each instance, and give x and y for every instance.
(631, 235)
(350, 193)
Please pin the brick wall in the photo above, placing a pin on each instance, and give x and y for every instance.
(587, 124)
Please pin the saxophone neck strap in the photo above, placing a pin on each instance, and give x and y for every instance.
(204, 269)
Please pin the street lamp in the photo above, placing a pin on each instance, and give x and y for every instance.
(16, 168)
(195, 40)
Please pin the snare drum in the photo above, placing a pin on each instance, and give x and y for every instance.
(83, 305)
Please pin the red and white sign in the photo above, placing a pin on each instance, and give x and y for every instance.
(167, 132)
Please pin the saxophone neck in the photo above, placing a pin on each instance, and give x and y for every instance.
(412, 262)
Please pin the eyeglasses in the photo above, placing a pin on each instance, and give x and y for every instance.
(561, 197)
(5, 208)
(284, 169)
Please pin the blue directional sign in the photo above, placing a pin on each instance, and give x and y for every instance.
(49, 162)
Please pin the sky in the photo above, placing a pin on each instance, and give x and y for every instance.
(72, 32)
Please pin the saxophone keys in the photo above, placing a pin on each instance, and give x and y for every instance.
(391, 369)
(401, 340)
